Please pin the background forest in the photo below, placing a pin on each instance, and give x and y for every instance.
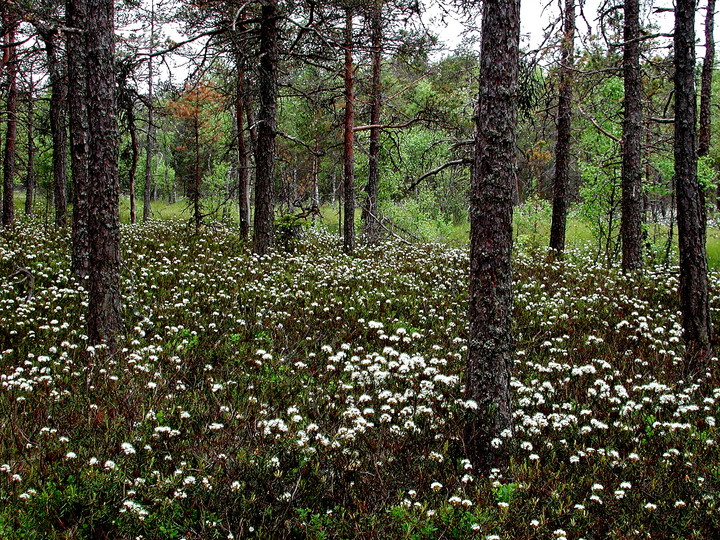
(180, 107)
(306, 324)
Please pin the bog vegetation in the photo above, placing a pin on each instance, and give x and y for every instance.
(246, 372)
(309, 393)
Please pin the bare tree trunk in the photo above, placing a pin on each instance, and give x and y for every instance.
(631, 218)
(564, 133)
(134, 160)
(30, 179)
(58, 126)
(372, 226)
(197, 176)
(8, 203)
(3, 61)
(243, 177)
(690, 198)
(489, 361)
(349, 139)
(315, 175)
(105, 300)
(76, 13)
(264, 223)
(706, 81)
(147, 191)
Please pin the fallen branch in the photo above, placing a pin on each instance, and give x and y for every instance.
(25, 277)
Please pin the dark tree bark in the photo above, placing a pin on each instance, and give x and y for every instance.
(135, 157)
(243, 177)
(147, 190)
(372, 225)
(76, 13)
(8, 203)
(489, 361)
(690, 198)
(31, 178)
(197, 174)
(315, 176)
(349, 140)
(3, 60)
(561, 180)
(58, 124)
(706, 81)
(105, 302)
(631, 219)
(264, 223)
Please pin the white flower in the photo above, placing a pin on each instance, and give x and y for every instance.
(127, 448)
(597, 487)
(436, 486)
(70, 455)
(650, 506)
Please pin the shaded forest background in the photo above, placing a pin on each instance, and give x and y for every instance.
(191, 137)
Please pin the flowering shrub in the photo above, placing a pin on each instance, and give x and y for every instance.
(307, 393)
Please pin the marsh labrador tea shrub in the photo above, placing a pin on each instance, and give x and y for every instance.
(311, 394)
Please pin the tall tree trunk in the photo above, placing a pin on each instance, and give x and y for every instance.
(349, 139)
(147, 190)
(706, 81)
(30, 179)
(135, 155)
(197, 175)
(372, 226)
(76, 13)
(315, 176)
(58, 125)
(564, 127)
(243, 178)
(8, 203)
(690, 198)
(631, 219)
(489, 360)
(264, 223)
(3, 60)
(105, 301)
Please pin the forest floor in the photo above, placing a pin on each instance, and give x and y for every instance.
(311, 394)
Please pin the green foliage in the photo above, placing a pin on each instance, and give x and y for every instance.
(531, 219)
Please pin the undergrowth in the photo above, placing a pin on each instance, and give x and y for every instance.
(311, 394)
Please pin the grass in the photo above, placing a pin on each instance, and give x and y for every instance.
(532, 230)
(312, 394)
